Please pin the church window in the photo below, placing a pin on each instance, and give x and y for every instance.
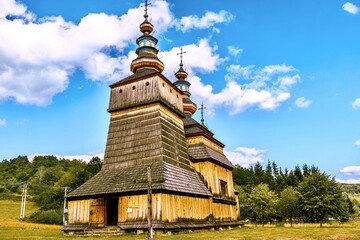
(223, 188)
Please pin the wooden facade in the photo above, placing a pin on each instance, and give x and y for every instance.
(151, 127)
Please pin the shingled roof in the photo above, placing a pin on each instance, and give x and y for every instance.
(201, 152)
(165, 176)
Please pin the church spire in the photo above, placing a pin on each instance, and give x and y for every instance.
(146, 51)
(184, 85)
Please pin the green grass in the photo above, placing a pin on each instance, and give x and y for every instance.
(12, 228)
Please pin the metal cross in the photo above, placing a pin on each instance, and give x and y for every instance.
(202, 114)
(181, 56)
(146, 8)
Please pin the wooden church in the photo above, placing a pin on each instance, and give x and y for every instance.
(151, 125)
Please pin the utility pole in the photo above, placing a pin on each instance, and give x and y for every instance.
(23, 201)
(149, 215)
(65, 208)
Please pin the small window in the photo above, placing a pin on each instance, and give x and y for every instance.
(170, 90)
(147, 83)
(163, 84)
(223, 188)
(177, 96)
(133, 87)
(120, 91)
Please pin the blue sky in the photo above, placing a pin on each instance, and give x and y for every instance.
(280, 79)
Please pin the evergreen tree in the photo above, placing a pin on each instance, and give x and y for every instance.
(320, 198)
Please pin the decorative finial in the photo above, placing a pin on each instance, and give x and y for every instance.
(146, 9)
(181, 56)
(202, 114)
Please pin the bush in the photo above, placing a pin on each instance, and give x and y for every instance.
(51, 216)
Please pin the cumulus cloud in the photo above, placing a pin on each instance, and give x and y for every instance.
(356, 103)
(234, 51)
(245, 157)
(348, 181)
(248, 87)
(302, 102)
(37, 56)
(3, 122)
(351, 170)
(350, 8)
(84, 157)
(208, 20)
(357, 143)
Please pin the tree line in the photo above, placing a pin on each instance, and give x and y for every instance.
(266, 193)
(269, 194)
(46, 178)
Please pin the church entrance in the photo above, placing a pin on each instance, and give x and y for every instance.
(112, 211)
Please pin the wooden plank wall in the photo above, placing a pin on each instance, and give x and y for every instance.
(213, 174)
(78, 212)
(166, 207)
(225, 212)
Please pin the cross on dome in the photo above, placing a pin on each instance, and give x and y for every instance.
(146, 8)
(181, 53)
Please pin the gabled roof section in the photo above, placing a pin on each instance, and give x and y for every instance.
(201, 152)
(165, 176)
(193, 128)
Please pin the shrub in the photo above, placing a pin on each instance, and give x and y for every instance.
(51, 216)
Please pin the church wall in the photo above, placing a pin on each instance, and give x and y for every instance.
(213, 174)
(176, 208)
(144, 91)
(165, 207)
(78, 212)
(225, 212)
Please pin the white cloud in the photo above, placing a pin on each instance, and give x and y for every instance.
(208, 20)
(356, 103)
(12, 8)
(84, 157)
(245, 157)
(351, 170)
(350, 8)
(3, 122)
(37, 56)
(234, 51)
(357, 143)
(302, 102)
(348, 181)
(248, 87)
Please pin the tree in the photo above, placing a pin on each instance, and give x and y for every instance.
(288, 204)
(320, 197)
(262, 202)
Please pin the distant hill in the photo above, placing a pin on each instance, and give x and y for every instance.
(351, 188)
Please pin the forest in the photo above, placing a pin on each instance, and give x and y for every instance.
(267, 194)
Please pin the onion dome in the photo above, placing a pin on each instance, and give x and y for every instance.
(189, 107)
(146, 51)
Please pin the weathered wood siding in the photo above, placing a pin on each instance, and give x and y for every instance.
(225, 212)
(144, 134)
(183, 208)
(144, 91)
(166, 207)
(78, 212)
(213, 174)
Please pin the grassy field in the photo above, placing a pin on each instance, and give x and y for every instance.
(12, 228)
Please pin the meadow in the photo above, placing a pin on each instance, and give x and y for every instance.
(12, 228)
